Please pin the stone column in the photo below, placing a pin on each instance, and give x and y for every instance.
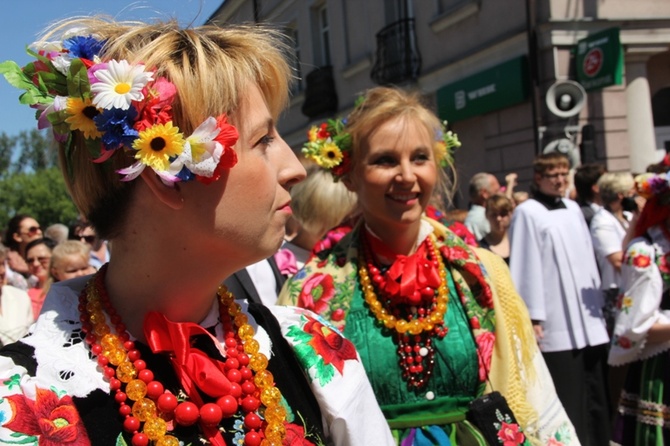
(641, 134)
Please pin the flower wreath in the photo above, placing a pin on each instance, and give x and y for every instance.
(329, 145)
(649, 184)
(116, 105)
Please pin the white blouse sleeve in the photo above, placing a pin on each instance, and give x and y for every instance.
(337, 378)
(638, 305)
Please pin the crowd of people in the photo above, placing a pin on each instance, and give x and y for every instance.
(35, 259)
(220, 290)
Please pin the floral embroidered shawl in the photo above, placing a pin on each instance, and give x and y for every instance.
(327, 282)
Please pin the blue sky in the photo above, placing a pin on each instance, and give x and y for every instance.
(22, 21)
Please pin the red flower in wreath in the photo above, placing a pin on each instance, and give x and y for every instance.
(227, 137)
(295, 436)
(316, 292)
(510, 435)
(55, 420)
(330, 345)
(641, 261)
(342, 168)
(485, 343)
(323, 131)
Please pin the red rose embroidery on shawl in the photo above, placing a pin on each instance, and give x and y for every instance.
(509, 435)
(55, 420)
(641, 261)
(330, 345)
(463, 232)
(485, 343)
(295, 436)
(337, 315)
(474, 323)
(316, 292)
(454, 253)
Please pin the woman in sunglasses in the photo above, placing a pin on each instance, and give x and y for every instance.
(100, 253)
(21, 230)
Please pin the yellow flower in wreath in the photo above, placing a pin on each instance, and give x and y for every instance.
(157, 144)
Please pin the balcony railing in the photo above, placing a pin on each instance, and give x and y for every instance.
(398, 58)
(320, 93)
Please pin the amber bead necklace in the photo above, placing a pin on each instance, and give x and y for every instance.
(149, 410)
(414, 320)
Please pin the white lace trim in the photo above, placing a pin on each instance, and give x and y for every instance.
(63, 358)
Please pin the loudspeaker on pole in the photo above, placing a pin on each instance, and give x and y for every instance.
(565, 99)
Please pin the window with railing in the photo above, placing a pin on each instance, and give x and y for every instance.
(398, 59)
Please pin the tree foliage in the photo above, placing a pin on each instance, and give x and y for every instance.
(30, 180)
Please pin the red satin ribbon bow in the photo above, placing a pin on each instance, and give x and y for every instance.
(407, 274)
(194, 368)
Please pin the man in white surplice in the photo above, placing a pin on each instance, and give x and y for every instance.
(554, 269)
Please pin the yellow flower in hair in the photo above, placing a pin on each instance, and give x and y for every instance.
(329, 156)
(157, 144)
(312, 134)
(82, 112)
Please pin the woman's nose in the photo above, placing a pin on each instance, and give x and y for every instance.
(292, 171)
(406, 173)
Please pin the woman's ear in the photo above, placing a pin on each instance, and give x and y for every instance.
(168, 195)
(348, 183)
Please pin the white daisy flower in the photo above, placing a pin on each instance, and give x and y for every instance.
(119, 84)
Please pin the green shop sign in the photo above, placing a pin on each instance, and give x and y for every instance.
(499, 87)
(600, 60)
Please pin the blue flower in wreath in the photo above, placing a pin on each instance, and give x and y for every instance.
(85, 47)
(116, 126)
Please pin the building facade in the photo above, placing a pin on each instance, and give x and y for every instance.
(513, 78)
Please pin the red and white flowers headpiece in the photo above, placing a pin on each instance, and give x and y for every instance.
(118, 105)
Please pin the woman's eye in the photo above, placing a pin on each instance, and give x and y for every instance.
(265, 140)
(384, 161)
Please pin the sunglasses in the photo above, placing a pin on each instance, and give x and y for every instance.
(43, 259)
(33, 230)
(87, 238)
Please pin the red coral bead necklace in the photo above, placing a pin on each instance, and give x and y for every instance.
(149, 410)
